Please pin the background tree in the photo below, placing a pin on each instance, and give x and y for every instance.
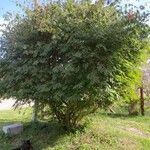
(146, 78)
(74, 57)
(140, 11)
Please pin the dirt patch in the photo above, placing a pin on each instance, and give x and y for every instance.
(136, 131)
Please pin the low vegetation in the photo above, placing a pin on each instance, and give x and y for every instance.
(101, 131)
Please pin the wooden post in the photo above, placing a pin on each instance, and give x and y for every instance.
(142, 101)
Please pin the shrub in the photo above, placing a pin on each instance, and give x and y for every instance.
(72, 56)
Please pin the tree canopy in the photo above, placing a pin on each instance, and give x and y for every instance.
(73, 56)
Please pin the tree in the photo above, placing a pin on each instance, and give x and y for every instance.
(139, 11)
(145, 87)
(146, 78)
(73, 56)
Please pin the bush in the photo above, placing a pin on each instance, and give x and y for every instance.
(72, 56)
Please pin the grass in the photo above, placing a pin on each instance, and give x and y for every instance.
(102, 132)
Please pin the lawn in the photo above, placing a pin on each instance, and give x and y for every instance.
(101, 132)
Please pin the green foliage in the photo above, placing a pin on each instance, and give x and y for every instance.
(73, 57)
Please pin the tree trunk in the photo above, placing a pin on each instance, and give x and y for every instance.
(35, 112)
(142, 101)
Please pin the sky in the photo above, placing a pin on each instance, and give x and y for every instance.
(10, 6)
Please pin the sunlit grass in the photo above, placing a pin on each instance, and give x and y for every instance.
(101, 132)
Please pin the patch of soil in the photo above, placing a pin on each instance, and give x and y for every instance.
(137, 132)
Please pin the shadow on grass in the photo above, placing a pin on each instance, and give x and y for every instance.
(119, 115)
(41, 134)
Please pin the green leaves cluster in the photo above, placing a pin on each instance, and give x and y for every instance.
(72, 56)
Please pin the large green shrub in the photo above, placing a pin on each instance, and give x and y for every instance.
(74, 57)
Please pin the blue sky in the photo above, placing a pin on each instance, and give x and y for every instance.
(8, 5)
